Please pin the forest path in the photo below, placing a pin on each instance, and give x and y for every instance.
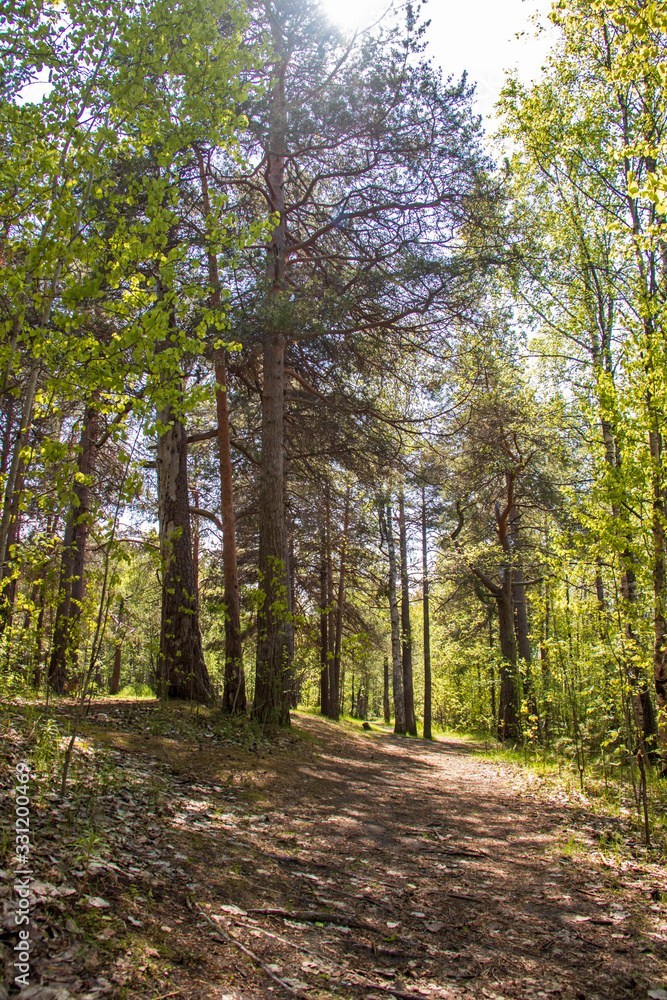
(435, 844)
(325, 862)
(360, 864)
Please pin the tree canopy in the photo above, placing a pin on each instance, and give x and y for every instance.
(286, 354)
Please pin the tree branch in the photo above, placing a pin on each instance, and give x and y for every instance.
(202, 436)
(492, 587)
(209, 515)
(236, 444)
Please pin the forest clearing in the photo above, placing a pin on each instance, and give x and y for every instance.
(328, 862)
(333, 524)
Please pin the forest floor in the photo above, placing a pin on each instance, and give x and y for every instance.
(194, 861)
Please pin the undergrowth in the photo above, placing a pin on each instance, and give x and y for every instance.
(603, 787)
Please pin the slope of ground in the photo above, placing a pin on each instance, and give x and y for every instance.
(319, 863)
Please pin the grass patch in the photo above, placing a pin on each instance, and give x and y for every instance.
(137, 692)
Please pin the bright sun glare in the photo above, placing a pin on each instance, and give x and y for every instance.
(351, 14)
(485, 38)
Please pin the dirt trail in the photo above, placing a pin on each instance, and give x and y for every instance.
(351, 865)
(440, 880)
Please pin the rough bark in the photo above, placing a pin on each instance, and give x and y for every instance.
(406, 629)
(195, 541)
(324, 645)
(234, 694)
(271, 703)
(385, 691)
(427, 626)
(331, 619)
(335, 685)
(182, 667)
(397, 665)
(289, 624)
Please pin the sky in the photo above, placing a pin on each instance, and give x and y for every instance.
(479, 36)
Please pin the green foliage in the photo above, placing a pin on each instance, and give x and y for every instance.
(136, 690)
(90, 187)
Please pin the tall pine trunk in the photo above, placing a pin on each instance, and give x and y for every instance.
(385, 691)
(234, 694)
(397, 665)
(427, 626)
(182, 668)
(324, 645)
(289, 625)
(406, 629)
(331, 618)
(335, 679)
(271, 703)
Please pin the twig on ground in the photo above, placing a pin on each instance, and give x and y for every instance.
(369, 985)
(377, 949)
(230, 939)
(453, 853)
(317, 917)
(277, 937)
